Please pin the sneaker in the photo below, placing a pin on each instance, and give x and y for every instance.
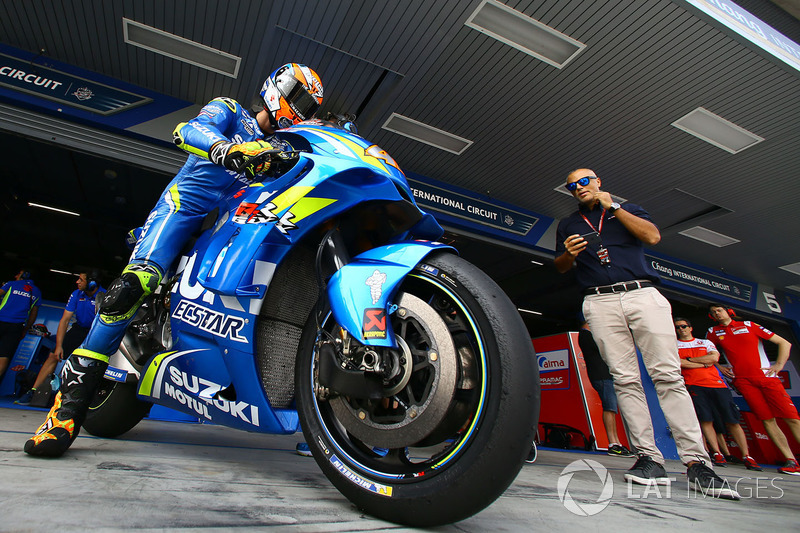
(26, 398)
(532, 454)
(718, 459)
(732, 459)
(790, 467)
(704, 480)
(303, 449)
(619, 450)
(645, 471)
(751, 463)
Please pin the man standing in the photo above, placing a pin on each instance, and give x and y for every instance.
(756, 378)
(624, 310)
(709, 392)
(19, 306)
(81, 304)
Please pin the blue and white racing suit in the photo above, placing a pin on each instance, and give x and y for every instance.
(187, 199)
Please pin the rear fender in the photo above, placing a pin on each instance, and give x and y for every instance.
(359, 293)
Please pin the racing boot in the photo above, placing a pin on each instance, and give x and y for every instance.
(79, 379)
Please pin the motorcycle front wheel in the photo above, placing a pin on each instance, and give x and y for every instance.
(454, 425)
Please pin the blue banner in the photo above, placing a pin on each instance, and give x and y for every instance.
(700, 280)
(74, 91)
(469, 208)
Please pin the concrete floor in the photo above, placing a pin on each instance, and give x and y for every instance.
(168, 476)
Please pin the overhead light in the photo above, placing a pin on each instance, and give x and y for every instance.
(167, 44)
(524, 33)
(714, 129)
(794, 268)
(424, 133)
(708, 236)
(40, 206)
(521, 310)
(62, 272)
(537, 263)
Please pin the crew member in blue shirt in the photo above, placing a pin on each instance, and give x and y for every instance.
(19, 306)
(81, 305)
(605, 241)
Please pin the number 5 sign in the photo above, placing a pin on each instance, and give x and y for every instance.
(772, 302)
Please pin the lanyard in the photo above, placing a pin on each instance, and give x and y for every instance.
(598, 229)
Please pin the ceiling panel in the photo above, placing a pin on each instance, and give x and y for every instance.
(646, 64)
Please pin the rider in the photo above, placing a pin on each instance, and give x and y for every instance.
(220, 141)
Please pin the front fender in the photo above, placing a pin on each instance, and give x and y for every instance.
(359, 293)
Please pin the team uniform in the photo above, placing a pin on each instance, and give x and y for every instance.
(741, 342)
(706, 386)
(84, 308)
(226, 146)
(19, 299)
(183, 205)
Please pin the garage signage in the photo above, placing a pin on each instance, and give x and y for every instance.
(697, 279)
(52, 84)
(462, 206)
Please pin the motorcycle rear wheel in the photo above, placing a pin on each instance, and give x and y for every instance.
(437, 450)
(115, 409)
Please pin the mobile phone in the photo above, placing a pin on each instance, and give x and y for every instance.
(592, 239)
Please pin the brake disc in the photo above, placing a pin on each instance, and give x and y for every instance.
(419, 419)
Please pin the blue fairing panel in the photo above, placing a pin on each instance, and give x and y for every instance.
(361, 291)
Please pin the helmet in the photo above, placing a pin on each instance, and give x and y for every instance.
(291, 94)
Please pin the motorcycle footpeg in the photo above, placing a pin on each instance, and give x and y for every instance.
(352, 383)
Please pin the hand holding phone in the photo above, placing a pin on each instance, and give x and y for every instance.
(592, 239)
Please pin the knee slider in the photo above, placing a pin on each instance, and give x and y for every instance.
(127, 292)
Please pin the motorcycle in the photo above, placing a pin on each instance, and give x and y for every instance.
(321, 300)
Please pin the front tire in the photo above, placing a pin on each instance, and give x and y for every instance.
(115, 409)
(435, 450)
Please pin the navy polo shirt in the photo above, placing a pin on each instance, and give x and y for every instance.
(83, 306)
(625, 251)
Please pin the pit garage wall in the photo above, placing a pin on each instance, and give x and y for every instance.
(134, 123)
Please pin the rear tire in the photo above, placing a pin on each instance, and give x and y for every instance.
(399, 465)
(115, 409)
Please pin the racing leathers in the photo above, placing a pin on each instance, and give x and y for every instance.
(179, 212)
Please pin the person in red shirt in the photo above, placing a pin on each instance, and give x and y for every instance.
(756, 378)
(709, 392)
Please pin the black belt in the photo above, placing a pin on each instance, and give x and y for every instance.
(622, 286)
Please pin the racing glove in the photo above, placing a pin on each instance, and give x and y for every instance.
(242, 157)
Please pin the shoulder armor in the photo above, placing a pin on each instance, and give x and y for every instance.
(230, 102)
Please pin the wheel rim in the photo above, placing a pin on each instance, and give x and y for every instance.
(370, 439)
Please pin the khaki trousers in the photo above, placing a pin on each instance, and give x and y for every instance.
(644, 317)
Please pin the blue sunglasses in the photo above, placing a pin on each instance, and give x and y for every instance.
(583, 182)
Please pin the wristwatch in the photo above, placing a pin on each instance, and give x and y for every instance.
(614, 207)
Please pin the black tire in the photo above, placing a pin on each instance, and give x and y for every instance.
(115, 409)
(432, 476)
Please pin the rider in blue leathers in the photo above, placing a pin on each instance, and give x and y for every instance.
(221, 140)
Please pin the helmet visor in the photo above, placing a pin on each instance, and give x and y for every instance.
(298, 97)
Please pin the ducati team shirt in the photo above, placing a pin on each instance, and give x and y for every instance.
(701, 377)
(741, 343)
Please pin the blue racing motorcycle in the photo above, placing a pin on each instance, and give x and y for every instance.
(320, 300)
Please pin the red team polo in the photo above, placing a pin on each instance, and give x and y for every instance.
(742, 344)
(701, 377)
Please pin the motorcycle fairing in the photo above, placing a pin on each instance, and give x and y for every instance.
(197, 382)
(321, 186)
(366, 285)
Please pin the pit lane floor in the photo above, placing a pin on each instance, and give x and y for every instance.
(171, 476)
